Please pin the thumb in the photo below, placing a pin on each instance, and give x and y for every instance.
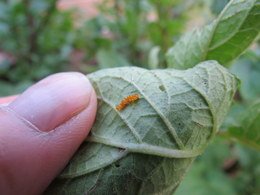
(41, 129)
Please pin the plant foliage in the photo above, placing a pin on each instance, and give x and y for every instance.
(148, 147)
(223, 40)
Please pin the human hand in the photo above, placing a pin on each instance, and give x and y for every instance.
(41, 129)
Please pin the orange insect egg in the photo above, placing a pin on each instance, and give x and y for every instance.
(127, 100)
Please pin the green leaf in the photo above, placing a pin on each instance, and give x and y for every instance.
(233, 116)
(147, 147)
(248, 71)
(225, 168)
(223, 40)
(247, 130)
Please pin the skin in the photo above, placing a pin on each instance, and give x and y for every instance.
(7, 100)
(41, 129)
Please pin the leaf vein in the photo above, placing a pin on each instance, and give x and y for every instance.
(164, 119)
(209, 105)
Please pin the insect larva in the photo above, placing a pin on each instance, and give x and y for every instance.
(126, 101)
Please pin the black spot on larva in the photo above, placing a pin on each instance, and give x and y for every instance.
(117, 165)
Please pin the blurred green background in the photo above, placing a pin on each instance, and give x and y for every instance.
(41, 37)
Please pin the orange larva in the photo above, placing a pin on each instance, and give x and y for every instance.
(126, 101)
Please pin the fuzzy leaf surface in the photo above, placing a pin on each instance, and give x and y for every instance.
(147, 147)
(247, 128)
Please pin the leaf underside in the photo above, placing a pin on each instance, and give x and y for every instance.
(147, 147)
(223, 40)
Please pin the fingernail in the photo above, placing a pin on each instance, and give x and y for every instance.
(54, 100)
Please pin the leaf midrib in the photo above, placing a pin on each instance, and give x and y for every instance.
(147, 148)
